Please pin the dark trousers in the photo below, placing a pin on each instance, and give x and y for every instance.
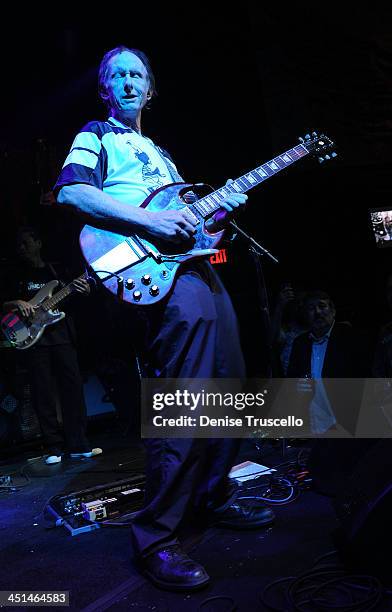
(47, 364)
(191, 335)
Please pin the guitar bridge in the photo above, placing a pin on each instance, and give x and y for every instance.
(143, 248)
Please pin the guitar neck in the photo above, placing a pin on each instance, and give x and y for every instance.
(63, 293)
(211, 203)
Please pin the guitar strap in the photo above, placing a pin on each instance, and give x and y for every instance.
(53, 271)
(55, 275)
(190, 197)
(174, 175)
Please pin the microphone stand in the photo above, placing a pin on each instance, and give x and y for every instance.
(257, 251)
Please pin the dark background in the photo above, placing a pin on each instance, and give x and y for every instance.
(235, 89)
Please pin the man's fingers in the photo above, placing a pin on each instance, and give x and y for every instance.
(231, 203)
(227, 206)
(180, 236)
(25, 309)
(188, 220)
(185, 232)
(185, 225)
(80, 285)
(234, 201)
(172, 225)
(26, 312)
(239, 197)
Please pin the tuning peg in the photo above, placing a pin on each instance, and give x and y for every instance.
(321, 159)
(314, 134)
(333, 154)
(301, 139)
(327, 157)
(307, 136)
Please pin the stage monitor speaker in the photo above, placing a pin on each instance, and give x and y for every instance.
(364, 508)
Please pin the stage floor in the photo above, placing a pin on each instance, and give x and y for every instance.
(98, 567)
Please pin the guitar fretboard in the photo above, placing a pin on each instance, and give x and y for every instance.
(60, 295)
(211, 203)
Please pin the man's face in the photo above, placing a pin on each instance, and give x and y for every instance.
(127, 85)
(28, 248)
(320, 314)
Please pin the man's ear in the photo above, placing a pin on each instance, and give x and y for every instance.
(103, 93)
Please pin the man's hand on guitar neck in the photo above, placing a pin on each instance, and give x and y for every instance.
(81, 285)
(234, 200)
(229, 205)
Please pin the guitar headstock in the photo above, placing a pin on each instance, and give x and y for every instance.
(320, 146)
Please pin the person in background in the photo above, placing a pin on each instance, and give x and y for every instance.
(324, 360)
(330, 350)
(288, 322)
(53, 358)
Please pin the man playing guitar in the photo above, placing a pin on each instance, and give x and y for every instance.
(111, 169)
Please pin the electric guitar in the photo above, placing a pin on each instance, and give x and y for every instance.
(141, 272)
(23, 333)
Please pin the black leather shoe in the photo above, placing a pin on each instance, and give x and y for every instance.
(171, 569)
(245, 514)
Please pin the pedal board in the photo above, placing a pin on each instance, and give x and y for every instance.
(83, 511)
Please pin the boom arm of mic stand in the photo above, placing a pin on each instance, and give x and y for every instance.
(254, 245)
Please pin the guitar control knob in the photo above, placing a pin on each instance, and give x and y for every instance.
(130, 283)
(137, 295)
(146, 279)
(154, 290)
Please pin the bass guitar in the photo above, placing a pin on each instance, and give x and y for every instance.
(24, 333)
